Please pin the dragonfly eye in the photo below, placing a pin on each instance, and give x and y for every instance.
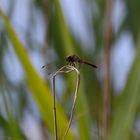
(66, 58)
(69, 59)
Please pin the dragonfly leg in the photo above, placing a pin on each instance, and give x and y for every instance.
(71, 63)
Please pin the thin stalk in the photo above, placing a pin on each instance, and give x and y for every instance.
(106, 78)
(54, 109)
(74, 103)
(64, 69)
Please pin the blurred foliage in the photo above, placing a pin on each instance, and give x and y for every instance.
(32, 92)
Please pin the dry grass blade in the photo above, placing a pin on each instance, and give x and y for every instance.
(64, 69)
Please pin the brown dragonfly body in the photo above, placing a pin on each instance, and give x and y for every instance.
(74, 58)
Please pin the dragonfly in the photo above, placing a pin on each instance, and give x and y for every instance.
(72, 59)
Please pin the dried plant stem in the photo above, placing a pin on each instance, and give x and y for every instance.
(64, 69)
(74, 103)
(54, 109)
(106, 60)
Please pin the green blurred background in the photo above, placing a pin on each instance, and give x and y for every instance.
(38, 32)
